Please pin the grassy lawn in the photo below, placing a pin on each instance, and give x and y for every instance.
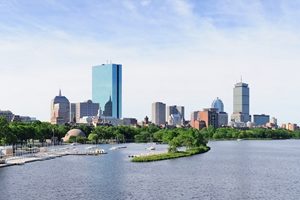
(167, 156)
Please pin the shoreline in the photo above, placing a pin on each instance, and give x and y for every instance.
(169, 156)
(249, 139)
(18, 160)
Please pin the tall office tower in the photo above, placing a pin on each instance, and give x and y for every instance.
(175, 115)
(60, 110)
(158, 113)
(241, 103)
(107, 89)
(86, 109)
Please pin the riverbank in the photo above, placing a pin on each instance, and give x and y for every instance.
(168, 156)
(52, 154)
(250, 139)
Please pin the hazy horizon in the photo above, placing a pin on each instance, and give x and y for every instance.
(180, 52)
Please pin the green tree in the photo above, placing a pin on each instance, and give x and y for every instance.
(93, 138)
(174, 144)
(142, 137)
(158, 135)
(3, 127)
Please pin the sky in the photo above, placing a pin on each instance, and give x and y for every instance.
(181, 52)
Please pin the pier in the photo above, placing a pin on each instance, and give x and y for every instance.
(48, 154)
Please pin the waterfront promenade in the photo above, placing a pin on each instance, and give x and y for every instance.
(52, 153)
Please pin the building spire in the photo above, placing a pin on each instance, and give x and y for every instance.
(241, 78)
(59, 93)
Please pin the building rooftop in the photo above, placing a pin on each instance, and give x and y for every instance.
(60, 99)
(241, 84)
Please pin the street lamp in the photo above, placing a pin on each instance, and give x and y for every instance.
(53, 136)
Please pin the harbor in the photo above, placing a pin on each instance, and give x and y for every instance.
(48, 153)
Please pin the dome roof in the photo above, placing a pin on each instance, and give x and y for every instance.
(218, 104)
(73, 132)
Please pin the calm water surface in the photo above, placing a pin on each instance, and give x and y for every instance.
(231, 170)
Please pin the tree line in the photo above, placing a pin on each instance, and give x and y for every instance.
(254, 133)
(19, 133)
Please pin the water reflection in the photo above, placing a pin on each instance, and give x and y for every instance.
(231, 170)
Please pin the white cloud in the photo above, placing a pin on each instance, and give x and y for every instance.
(178, 58)
(182, 7)
(130, 5)
(145, 2)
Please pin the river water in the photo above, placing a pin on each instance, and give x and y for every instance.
(231, 170)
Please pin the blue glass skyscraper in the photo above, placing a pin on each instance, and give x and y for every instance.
(107, 89)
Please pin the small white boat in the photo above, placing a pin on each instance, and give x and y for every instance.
(95, 150)
(118, 147)
(113, 148)
(91, 147)
(152, 148)
(99, 151)
(239, 140)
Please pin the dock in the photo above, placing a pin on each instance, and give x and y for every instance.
(48, 155)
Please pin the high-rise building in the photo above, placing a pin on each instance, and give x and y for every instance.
(222, 119)
(261, 120)
(218, 104)
(60, 110)
(292, 127)
(7, 114)
(130, 121)
(194, 117)
(86, 109)
(107, 88)
(210, 117)
(73, 113)
(207, 117)
(241, 103)
(158, 113)
(272, 124)
(222, 116)
(175, 115)
(273, 120)
(175, 120)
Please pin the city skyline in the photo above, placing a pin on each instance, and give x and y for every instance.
(42, 53)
